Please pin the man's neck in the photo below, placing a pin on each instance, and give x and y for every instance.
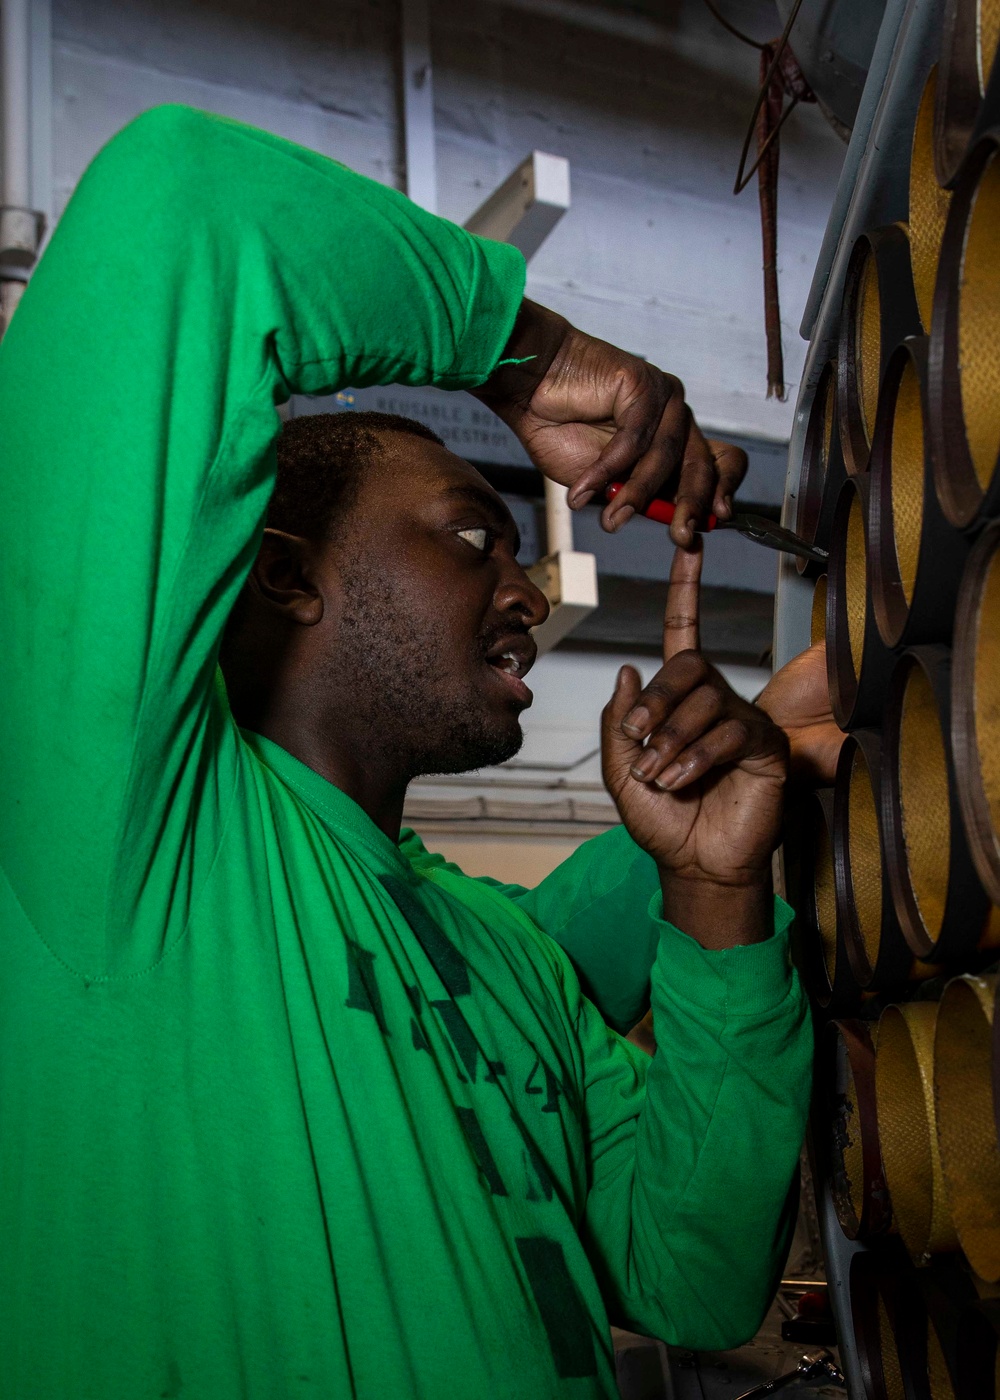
(359, 769)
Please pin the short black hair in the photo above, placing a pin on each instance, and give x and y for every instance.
(321, 459)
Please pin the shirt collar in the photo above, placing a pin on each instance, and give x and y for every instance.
(338, 812)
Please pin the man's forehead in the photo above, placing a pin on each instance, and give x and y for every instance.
(435, 470)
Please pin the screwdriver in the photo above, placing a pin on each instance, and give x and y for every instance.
(752, 527)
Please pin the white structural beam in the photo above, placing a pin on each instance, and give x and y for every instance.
(527, 206)
(558, 518)
(569, 581)
(418, 105)
(15, 96)
(40, 99)
(26, 149)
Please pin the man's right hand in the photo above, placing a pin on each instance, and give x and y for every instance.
(589, 414)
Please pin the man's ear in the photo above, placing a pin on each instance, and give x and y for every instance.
(284, 576)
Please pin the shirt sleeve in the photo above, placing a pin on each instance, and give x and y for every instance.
(202, 272)
(692, 1156)
(596, 906)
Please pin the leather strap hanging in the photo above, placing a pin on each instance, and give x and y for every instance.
(780, 74)
(777, 79)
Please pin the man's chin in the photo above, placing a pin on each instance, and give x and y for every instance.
(470, 747)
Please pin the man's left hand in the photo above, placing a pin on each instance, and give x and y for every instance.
(698, 775)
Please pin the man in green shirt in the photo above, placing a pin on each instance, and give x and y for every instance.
(287, 1105)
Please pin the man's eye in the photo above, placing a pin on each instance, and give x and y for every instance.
(477, 538)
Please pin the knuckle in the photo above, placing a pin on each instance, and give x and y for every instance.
(697, 458)
(692, 665)
(658, 696)
(666, 738)
(714, 681)
(727, 452)
(656, 688)
(736, 732)
(696, 478)
(712, 699)
(680, 622)
(740, 459)
(697, 757)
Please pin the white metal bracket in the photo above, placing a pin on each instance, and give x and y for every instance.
(25, 143)
(569, 581)
(527, 206)
(20, 236)
(418, 106)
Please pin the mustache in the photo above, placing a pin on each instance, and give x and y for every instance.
(501, 632)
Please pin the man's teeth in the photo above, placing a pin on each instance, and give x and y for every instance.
(513, 664)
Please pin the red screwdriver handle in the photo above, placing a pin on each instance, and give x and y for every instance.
(659, 510)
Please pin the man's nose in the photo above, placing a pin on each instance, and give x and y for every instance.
(517, 593)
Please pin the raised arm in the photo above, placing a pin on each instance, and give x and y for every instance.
(202, 272)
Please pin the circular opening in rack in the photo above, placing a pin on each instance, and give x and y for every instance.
(817, 616)
(846, 1061)
(879, 311)
(969, 45)
(864, 856)
(904, 1090)
(976, 706)
(928, 204)
(898, 493)
(979, 325)
(964, 357)
(857, 662)
(856, 582)
(924, 804)
(963, 1099)
(816, 457)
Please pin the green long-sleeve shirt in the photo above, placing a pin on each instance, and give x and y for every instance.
(287, 1109)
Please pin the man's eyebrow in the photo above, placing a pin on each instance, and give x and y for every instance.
(486, 499)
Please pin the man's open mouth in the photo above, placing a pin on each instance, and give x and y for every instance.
(512, 658)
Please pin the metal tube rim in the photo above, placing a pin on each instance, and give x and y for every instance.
(983, 838)
(960, 492)
(970, 1153)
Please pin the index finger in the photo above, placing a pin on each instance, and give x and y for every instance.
(680, 618)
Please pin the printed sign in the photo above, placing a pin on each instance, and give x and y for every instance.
(466, 426)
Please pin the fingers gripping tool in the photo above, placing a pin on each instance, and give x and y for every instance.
(752, 527)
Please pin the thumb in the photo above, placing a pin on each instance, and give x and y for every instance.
(618, 750)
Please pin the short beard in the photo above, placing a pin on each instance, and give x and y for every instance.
(393, 662)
